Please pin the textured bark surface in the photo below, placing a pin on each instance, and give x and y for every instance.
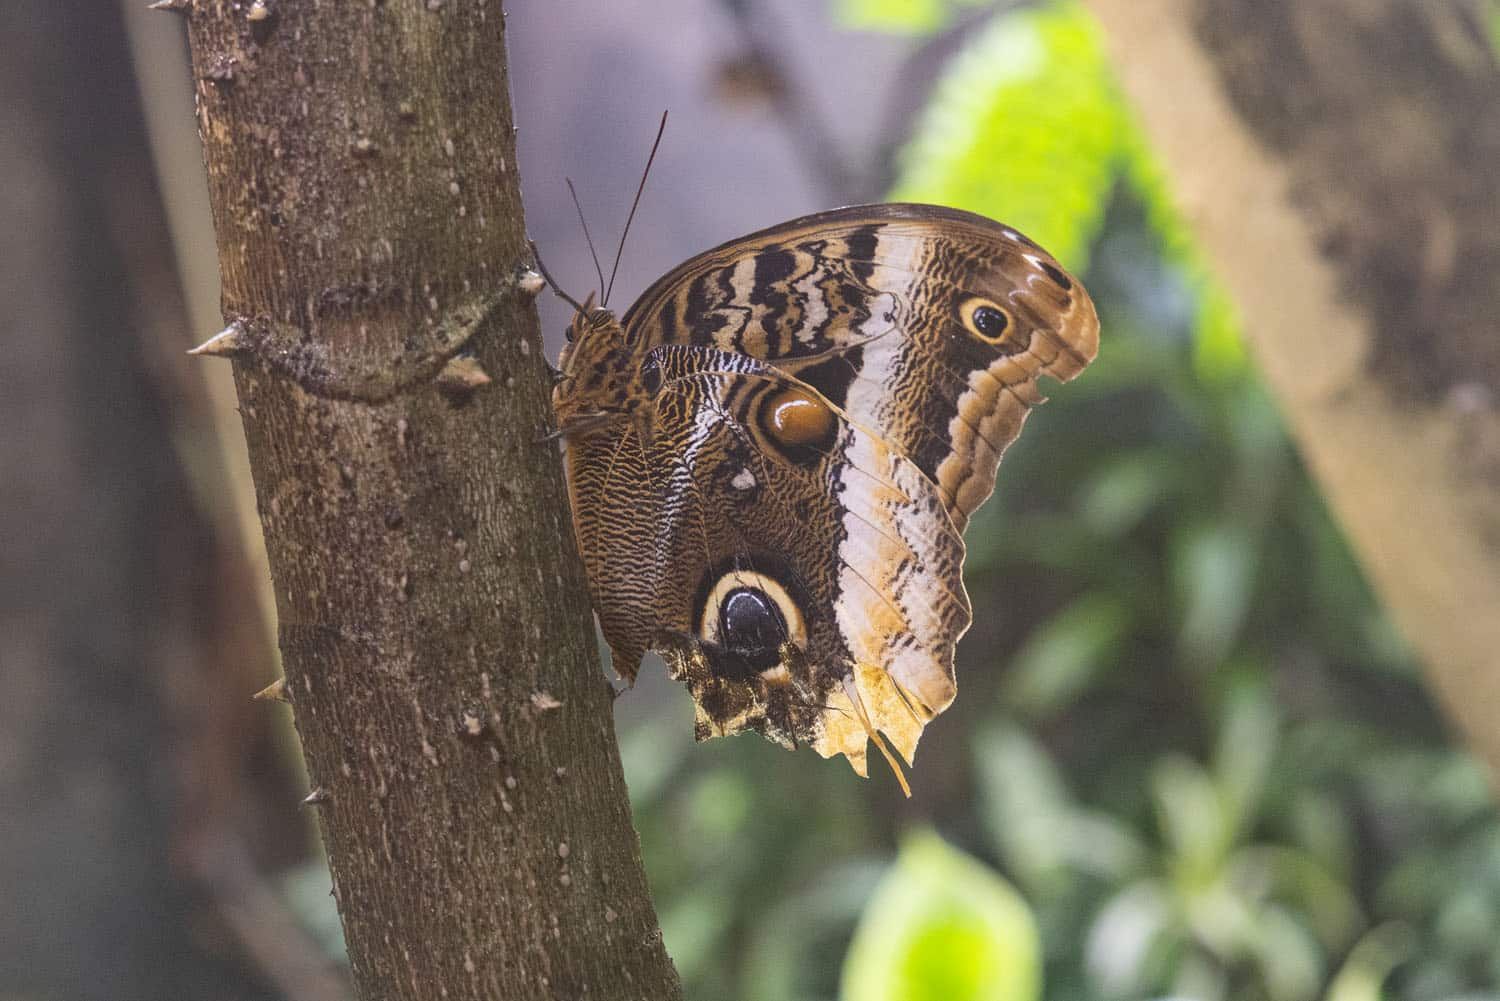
(434, 622)
(1337, 161)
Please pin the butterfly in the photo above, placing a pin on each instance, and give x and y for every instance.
(772, 456)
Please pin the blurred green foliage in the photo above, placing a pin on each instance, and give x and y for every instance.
(1052, 178)
(900, 17)
(1186, 733)
(943, 927)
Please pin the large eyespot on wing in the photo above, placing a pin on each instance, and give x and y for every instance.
(928, 325)
(785, 515)
(747, 617)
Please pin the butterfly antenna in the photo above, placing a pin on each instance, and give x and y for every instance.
(587, 238)
(552, 282)
(628, 219)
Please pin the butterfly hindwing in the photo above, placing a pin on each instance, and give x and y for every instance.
(814, 572)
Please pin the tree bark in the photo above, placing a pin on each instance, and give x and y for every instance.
(434, 621)
(1337, 161)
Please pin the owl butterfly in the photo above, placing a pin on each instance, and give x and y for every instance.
(772, 457)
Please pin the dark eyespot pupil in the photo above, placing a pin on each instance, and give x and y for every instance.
(750, 624)
(989, 321)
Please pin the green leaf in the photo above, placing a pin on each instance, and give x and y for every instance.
(1026, 126)
(1248, 735)
(1125, 489)
(1492, 23)
(1129, 938)
(943, 927)
(1066, 653)
(1213, 569)
(1318, 824)
(897, 17)
(1370, 962)
(1042, 835)
(1192, 819)
(1294, 877)
(1023, 803)
(1291, 964)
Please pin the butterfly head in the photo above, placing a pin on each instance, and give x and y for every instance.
(598, 378)
(597, 371)
(588, 322)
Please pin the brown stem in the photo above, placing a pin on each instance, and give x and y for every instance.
(361, 167)
(260, 921)
(813, 139)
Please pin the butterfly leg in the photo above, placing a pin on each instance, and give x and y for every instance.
(582, 426)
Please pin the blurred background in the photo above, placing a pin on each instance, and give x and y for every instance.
(1191, 757)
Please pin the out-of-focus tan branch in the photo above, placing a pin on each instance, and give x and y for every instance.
(1298, 137)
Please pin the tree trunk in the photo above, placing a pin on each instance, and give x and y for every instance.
(1338, 163)
(434, 622)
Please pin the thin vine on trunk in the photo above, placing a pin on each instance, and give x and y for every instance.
(434, 623)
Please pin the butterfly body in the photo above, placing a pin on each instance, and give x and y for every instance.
(772, 456)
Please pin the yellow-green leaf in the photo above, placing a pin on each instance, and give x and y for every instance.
(901, 17)
(1025, 126)
(941, 926)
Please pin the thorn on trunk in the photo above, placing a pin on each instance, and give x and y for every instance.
(226, 343)
(529, 282)
(545, 701)
(174, 6)
(471, 723)
(221, 69)
(461, 376)
(274, 692)
(318, 796)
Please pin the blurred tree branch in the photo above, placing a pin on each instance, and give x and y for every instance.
(798, 112)
(434, 622)
(128, 752)
(1337, 162)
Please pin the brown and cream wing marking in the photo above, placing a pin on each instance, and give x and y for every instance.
(806, 575)
(928, 325)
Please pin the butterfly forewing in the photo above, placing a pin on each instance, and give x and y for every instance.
(930, 326)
